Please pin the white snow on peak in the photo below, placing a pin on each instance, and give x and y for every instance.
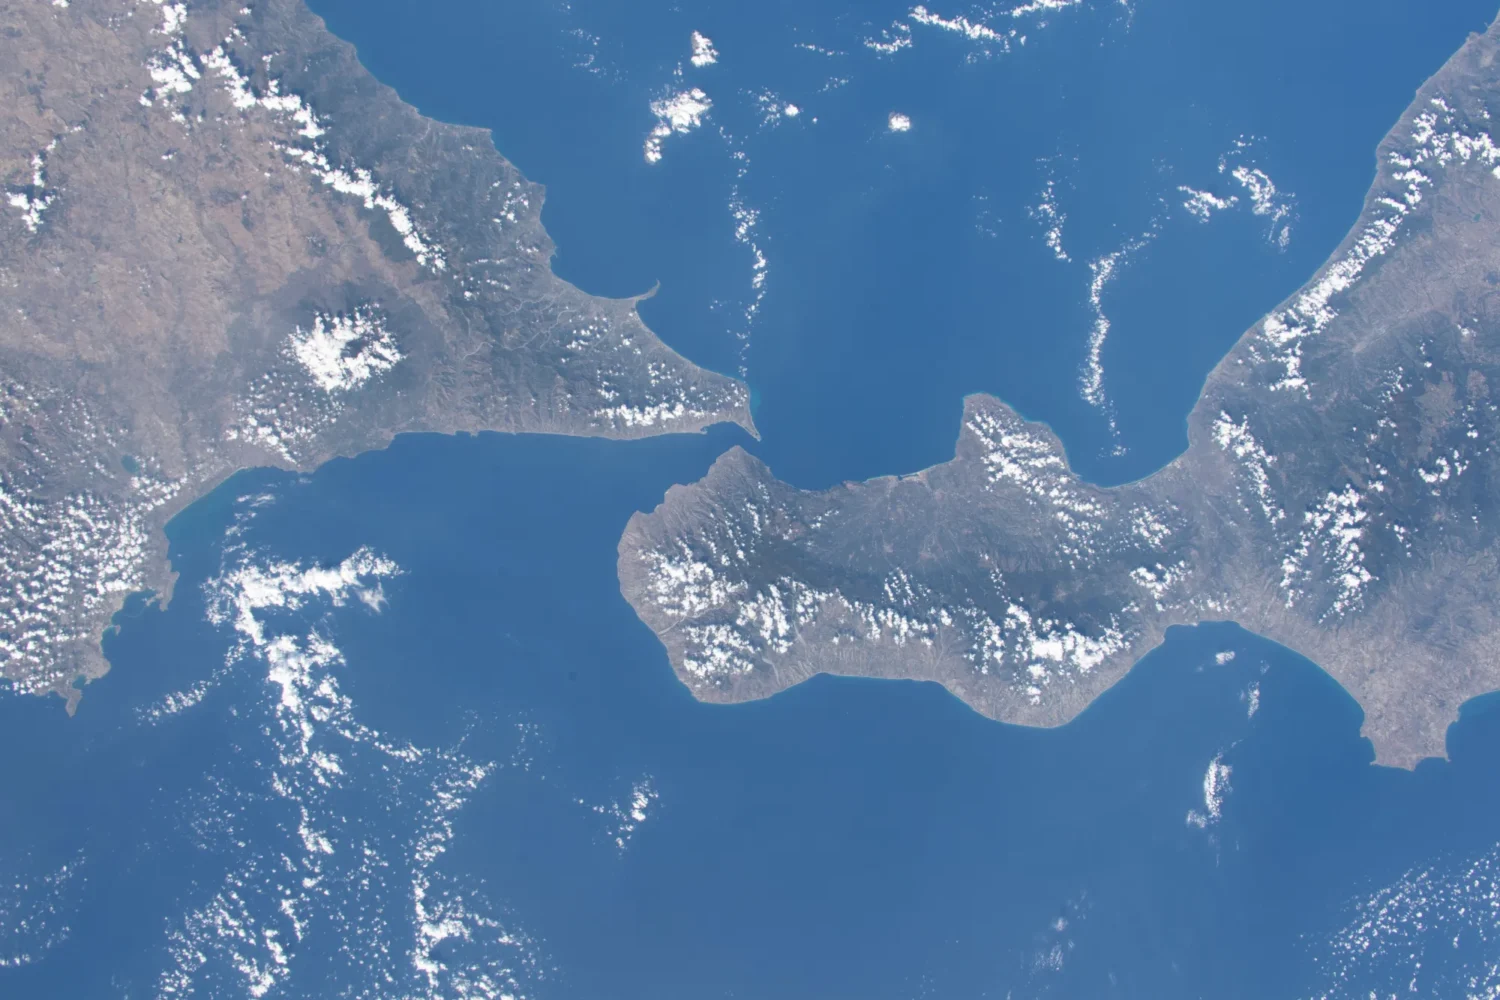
(704, 53)
(898, 122)
(342, 351)
(680, 112)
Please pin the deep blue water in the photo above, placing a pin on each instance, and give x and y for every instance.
(846, 838)
(884, 302)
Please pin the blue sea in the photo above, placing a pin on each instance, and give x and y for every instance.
(398, 735)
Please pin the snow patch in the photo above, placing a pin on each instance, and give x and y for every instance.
(342, 351)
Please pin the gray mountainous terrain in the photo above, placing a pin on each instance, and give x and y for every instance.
(224, 244)
(1337, 495)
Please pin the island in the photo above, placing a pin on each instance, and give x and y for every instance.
(224, 244)
(1340, 494)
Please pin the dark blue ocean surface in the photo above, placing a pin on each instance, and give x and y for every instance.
(906, 269)
(846, 838)
(398, 735)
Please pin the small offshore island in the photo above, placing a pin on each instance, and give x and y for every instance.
(224, 244)
(1337, 496)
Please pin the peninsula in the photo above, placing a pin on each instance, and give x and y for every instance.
(1338, 495)
(223, 244)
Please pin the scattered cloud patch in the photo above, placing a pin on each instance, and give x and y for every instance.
(1215, 786)
(704, 53)
(1042, 7)
(625, 818)
(892, 40)
(1201, 205)
(898, 122)
(34, 198)
(1050, 217)
(374, 899)
(773, 109)
(972, 30)
(1431, 932)
(746, 221)
(678, 113)
(1102, 271)
(1278, 207)
(342, 351)
(305, 150)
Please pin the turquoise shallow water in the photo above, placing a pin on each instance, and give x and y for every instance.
(497, 715)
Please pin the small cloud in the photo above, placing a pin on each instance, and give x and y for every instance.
(1201, 205)
(897, 122)
(704, 53)
(680, 113)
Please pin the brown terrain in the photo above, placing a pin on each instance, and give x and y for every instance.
(1338, 495)
(223, 244)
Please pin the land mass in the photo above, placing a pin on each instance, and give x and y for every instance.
(1337, 495)
(224, 244)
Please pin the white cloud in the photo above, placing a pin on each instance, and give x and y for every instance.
(704, 53)
(1051, 218)
(343, 351)
(1215, 785)
(892, 40)
(1203, 204)
(678, 113)
(961, 25)
(33, 200)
